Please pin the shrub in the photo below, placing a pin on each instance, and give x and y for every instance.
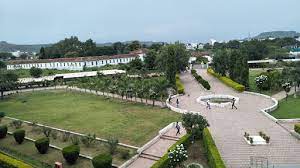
(211, 150)
(88, 140)
(179, 85)
(164, 161)
(71, 153)
(227, 81)
(35, 72)
(102, 161)
(42, 145)
(16, 123)
(125, 153)
(2, 114)
(203, 82)
(19, 136)
(112, 144)
(3, 131)
(177, 156)
(47, 131)
(9, 162)
(297, 128)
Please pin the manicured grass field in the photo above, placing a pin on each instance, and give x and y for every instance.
(288, 109)
(131, 123)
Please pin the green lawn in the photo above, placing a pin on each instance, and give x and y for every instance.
(132, 123)
(288, 109)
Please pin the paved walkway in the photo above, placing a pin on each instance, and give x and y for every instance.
(157, 150)
(228, 126)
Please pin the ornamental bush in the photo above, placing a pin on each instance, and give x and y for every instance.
(71, 153)
(262, 82)
(19, 135)
(42, 145)
(177, 156)
(297, 128)
(3, 131)
(2, 114)
(102, 161)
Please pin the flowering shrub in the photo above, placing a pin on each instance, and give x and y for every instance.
(177, 156)
(262, 82)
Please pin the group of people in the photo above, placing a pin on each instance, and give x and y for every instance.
(232, 104)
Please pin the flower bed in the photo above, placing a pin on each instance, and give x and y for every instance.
(227, 81)
(203, 82)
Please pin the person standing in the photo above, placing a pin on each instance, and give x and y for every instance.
(207, 105)
(178, 128)
(177, 103)
(233, 104)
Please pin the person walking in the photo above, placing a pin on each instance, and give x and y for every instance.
(207, 105)
(177, 103)
(178, 128)
(233, 104)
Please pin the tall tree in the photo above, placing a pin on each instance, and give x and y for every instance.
(8, 81)
(149, 60)
(172, 59)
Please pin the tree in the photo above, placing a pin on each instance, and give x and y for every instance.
(136, 64)
(8, 81)
(35, 72)
(2, 65)
(42, 53)
(194, 124)
(220, 62)
(172, 59)
(149, 60)
(134, 45)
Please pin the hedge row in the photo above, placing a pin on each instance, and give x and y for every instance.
(203, 82)
(227, 81)
(211, 150)
(9, 162)
(179, 85)
(164, 161)
(297, 128)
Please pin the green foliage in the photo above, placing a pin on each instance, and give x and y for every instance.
(2, 114)
(19, 135)
(164, 161)
(8, 81)
(3, 131)
(172, 59)
(102, 161)
(88, 140)
(42, 145)
(211, 150)
(75, 140)
(203, 82)
(2, 65)
(16, 123)
(177, 156)
(227, 81)
(35, 72)
(112, 144)
(179, 85)
(71, 153)
(297, 128)
(194, 124)
(150, 60)
(9, 162)
(125, 153)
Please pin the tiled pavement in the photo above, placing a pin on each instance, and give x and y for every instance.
(228, 126)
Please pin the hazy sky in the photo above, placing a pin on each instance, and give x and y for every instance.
(47, 21)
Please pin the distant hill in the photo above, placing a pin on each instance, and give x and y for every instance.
(277, 34)
(8, 47)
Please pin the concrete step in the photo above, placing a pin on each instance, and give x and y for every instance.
(170, 137)
(149, 156)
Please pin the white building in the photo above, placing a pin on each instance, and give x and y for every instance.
(77, 63)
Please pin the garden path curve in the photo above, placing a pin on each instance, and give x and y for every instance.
(228, 126)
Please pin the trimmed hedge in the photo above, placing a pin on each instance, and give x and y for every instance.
(203, 82)
(102, 161)
(3, 131)
(179, 85)
(164, 161)
(297, 128)
(42, 145)
(71, 153)
(9, 162)
(227, 81)
(19, 135)
(211, 150)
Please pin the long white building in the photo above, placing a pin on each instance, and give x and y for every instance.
(75, 63)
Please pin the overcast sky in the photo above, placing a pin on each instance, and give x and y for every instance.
(47, 21)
